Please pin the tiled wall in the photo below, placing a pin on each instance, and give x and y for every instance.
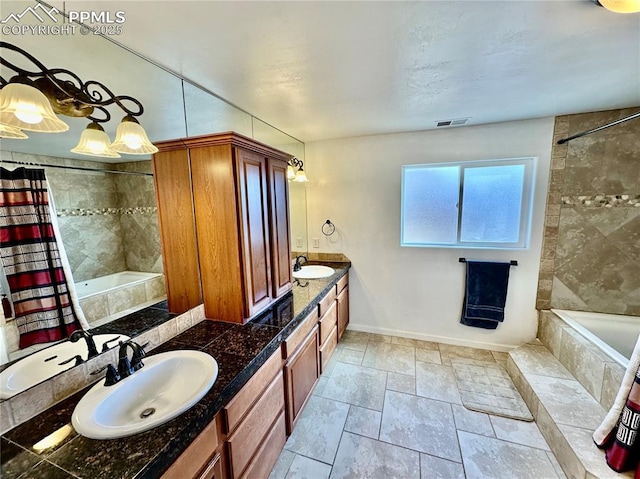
(138, 218)
(108, 222)
(591, 250)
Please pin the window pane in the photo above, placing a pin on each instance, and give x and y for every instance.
(430, 199)
(492, 204)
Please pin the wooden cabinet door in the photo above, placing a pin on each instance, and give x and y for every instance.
(343, 311)
(172, 177)
(254, 429)
(254, 221)
(302, 371)
(202, 459)
(219, 250)
(279, 225)
(213, 469)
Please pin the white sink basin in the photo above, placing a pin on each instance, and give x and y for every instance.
(45, 363)
(314, 272)
(167, 385)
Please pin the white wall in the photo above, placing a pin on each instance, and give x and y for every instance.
(417, 292)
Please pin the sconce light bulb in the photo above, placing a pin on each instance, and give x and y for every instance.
(301, 176)
(132, 141)
(28, 112)
(25, 107)
(621, 6)
(94, 142)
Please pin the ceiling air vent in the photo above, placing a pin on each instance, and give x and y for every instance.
(456, 122)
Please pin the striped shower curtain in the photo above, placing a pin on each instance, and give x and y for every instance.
(31, 259)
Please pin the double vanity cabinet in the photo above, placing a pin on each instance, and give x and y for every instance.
(224, 223)
(245, 438)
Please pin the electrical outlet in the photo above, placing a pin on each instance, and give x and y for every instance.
(299, 242)
(316, 243)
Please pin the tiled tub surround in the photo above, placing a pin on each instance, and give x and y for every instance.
(565, 412)
(103, 306)
(614, 334)
(569, 384)
(591, 253)
(239, 350)
(597, 372)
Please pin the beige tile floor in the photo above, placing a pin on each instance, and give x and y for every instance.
(389, 407)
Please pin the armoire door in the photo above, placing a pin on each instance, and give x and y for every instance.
(254, 221)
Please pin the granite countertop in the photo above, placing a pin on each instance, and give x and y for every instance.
(240, 351)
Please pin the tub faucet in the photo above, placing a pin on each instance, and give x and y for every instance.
(126, 367)
(297, 266)
(88, 337)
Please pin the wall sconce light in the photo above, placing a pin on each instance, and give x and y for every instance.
(31, 100)
(620, 6)
(299, 176)
(11, 132)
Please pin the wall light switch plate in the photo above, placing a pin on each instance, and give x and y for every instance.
(299, 242)
(316, 243)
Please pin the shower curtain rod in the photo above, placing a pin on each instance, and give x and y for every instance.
(80, 168)
(593, 130)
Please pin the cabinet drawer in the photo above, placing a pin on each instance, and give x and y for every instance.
(242, 402)
(267, 456)
(328, 347)
(299, 334)
(328, 321)
(326, 302)
(342, 283)
(249, 435)
(199, 453)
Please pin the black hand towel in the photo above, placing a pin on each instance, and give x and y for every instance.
(485, 294)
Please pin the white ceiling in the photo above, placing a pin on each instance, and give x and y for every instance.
(332, 69)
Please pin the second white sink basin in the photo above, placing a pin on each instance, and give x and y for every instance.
(167, 385)
(314, 272)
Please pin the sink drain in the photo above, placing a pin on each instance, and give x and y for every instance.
(147, 412)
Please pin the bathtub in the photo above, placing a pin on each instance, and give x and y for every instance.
(108, 297)
(106, 284)
(615, 335)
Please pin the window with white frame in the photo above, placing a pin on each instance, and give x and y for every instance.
(473, 204)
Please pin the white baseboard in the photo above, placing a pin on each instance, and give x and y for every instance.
(430, 337)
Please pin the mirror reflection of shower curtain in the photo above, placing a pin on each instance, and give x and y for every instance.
(40, 284)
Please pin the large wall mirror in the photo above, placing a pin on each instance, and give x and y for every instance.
(105, 207)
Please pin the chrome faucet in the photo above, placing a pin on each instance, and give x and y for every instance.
(297, 266)
(91, 345)
(126, 367)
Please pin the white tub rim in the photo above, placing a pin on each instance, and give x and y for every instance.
(565, 315)
(143, 277)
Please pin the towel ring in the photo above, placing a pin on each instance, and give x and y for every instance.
(328, 228)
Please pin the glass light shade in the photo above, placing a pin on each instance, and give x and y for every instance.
(301, 176)
(291, 174)
(25, 107)
(95, 142)
(132, 139)
(621, 6)
(11, 132)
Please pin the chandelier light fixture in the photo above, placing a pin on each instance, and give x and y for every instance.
(32, 101)
(299, 176)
